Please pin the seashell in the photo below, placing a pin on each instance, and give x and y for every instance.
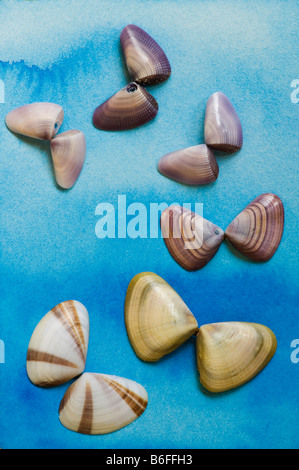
(256, 232)
(191, 240)
(223, 130)
(146, 61)
(58, 346)
(68, 153)
(194, 165)
(130, 107)
(232, 353)
(156, 318)
(100, 403)
(38, 120)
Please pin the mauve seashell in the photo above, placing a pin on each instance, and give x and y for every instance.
(223, 130)
(101, 403)
(191, 240)
(58, 346)
(232, 353)
(146, 61)
(193, 165)
(256, 232)
(131, 107)
(38, 120)
(68, 153)
(156, 318)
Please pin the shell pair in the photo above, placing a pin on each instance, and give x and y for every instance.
(193, 241)
(42, 121)
(158, 321)
(197, 165)
(133, 106)
(94, 403)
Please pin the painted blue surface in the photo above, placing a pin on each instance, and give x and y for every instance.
(70, 54)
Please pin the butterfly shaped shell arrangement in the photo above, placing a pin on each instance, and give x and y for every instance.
(193, 241)
(158, 321)
(94, 403)
(133, 105)
(42, 121)
(197, 165)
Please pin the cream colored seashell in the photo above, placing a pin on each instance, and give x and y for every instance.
(68, 153)
(157, 319)
(58, 346)
(38, 120)
(232, 353)
(100, 403)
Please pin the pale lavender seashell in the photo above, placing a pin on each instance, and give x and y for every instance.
(194, 165)
(68, 154)
(223, 129)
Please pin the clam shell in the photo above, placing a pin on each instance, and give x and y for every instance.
(38, 120)
(193, 165)
(100, 403)
(256, 232)
(58, 346)
(191, 240)
(130, 107)
(223, 130)
(68, 153)
(146, 61)
(232, 353)
(156, 318)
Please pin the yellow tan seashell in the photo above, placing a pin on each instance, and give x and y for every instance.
(101, 403)
(232, 353)
(37, 120)
(58, 346)
(157, 319)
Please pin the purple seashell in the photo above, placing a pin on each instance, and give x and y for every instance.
(191, 240)
(223, 130)
(130, 107)
(146, 61)
(194, 165)
(256, 232)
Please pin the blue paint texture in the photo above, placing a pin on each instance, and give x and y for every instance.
(70, 54)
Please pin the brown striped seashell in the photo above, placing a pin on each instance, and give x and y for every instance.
(58, 346)
(101, 404)
(256, 232)
(223, 130)
(146, 61)
(156, 318)
(130, 107)
(38, 120)
(191, 240)
(68, 153)
(193, 165)
(232, 353)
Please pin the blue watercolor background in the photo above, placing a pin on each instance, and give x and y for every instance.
(61, 52)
